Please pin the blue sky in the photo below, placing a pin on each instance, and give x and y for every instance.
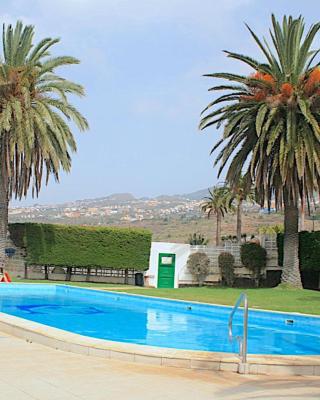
(141, 64)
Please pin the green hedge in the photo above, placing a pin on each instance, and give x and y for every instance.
(309, 250)
(63, 245)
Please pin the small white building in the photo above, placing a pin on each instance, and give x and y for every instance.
(167, 266)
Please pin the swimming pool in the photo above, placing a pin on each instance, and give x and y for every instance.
(158, 322)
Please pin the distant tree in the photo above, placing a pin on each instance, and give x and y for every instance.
(197, 239)
(242, 191)
(218, 203)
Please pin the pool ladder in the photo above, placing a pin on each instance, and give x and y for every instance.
(243, 340)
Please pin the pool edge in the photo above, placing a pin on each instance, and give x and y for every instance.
(197, 302)
(191, 359)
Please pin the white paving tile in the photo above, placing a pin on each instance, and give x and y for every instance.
(35, 372)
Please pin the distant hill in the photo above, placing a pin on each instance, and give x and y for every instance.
(116, 198)
(120, 197)
(127, 197)
(198, 195)
(174, 197)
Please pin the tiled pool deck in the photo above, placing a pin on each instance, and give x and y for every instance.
(30, 371)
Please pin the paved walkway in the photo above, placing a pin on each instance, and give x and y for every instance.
(31, 371)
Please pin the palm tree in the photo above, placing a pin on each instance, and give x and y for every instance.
(242, 191)
(218, 203)
(272, 128)
(35, 138)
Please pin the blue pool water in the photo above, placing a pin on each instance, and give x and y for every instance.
(157, 322)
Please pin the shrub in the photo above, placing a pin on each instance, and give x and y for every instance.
(198, 264)
(230, 238)
(270, 229)
(309, 250)
(254, 257)
(79, 246)
(226, 264)
(197, 239)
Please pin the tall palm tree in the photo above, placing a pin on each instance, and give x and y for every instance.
(217, 203)
(242, 191)
(35, 138)
(272, 128)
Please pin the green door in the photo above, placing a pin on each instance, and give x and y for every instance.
(166, 267)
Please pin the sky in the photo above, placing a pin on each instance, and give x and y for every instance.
(142, 66)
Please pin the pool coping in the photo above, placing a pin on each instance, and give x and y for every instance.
(215, 361)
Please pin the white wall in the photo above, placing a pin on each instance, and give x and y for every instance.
(181, 251)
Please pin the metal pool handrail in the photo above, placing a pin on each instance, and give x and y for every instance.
(243, 341)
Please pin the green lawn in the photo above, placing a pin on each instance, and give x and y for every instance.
(279, 299)
(293, 300)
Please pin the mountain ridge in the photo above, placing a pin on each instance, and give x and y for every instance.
(125, 197)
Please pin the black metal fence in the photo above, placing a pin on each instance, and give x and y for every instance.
(107, 275)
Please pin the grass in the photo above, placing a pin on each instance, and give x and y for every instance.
(291, 300)
(277, 299)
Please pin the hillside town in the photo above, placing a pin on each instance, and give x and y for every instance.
(115, 209)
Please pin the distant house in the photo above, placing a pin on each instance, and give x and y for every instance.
(267, 210)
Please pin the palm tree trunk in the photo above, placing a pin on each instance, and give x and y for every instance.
(302, 213)
(239, 220)
(4, 201)
(218, 229)
(291, 272)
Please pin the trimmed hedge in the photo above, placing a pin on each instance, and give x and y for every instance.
(309, 250)
(226, 264)
(79, 246)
